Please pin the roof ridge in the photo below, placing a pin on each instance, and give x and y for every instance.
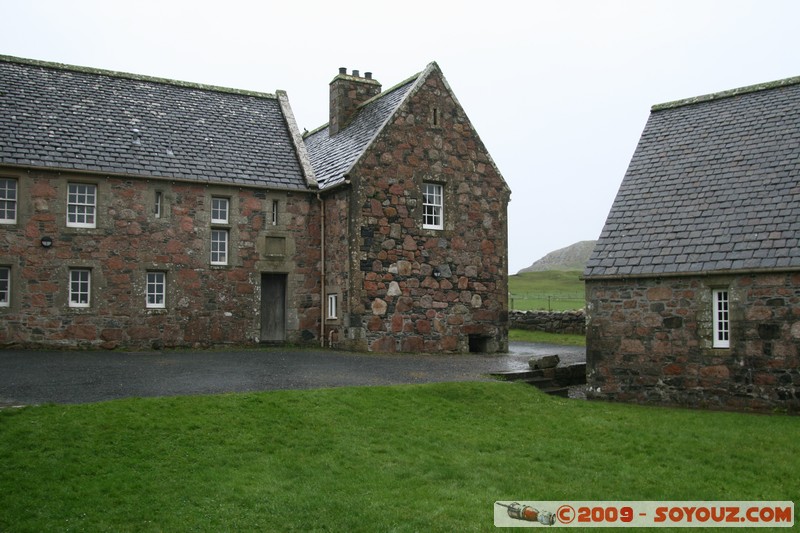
(131, 76)
(727, 94)
(373, 99)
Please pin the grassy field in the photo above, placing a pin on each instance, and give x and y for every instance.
(556, 290)
(564, 339)
(408, 458)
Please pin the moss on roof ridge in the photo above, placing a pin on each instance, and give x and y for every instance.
(727, 94)
(131, 76)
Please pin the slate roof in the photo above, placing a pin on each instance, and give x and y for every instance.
(333, 157)
(713, 186)
(58, 116)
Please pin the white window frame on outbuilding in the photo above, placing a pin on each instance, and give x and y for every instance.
(721, 318)
(333, 306)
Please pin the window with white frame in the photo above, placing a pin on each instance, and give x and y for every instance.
(219, 210)
(156, 290)
(8, 201)
(81, 205)
(333, 306)
(219, 247)
(80, 287)
(722, 325)
(432, 206)
(5, 286)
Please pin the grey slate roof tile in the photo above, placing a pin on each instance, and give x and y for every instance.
(714, 184)
(83, 119)
(332, 157)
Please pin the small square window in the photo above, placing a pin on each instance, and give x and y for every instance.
(80, 287)
(8, 201)
(219, 247)
(333, 306)
(81, 205)
(5, 286)
(219, 210)
(432, 206)
(156, 290)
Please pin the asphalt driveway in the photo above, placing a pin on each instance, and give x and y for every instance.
(36, 377)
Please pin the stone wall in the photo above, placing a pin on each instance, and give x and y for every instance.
(650, 341)
(205, 304)
(433, 290)
(573, 322)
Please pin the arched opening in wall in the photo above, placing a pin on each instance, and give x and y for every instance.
(479, 343)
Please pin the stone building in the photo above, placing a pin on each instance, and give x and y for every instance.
(693, 290)
(144, 212)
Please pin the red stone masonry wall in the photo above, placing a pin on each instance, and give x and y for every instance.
(423, 290)
(205, 304)
(650, 341)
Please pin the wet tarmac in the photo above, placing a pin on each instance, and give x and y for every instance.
(66, 377)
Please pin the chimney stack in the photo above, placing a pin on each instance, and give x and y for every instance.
(347, 93)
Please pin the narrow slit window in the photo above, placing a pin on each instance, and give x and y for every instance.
(721, 319)
(435, 117)
(274, 212)
(157, 206)
(333, 306)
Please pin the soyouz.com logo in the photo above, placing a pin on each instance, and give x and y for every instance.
(643, 514)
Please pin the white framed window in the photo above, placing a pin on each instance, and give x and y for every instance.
(219, 247)
(722, 324)
(275, 212)
(81, 205)
(5, 286)
(219, 210)
(156, 290)
(432, 206)
(8, 201)
(333, 306)
(80, 287)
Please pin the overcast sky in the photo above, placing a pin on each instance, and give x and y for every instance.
(559, 91)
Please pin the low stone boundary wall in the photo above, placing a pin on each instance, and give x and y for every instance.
(550, 321)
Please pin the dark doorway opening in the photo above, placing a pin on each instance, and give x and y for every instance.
(273, 308)
(479, 343)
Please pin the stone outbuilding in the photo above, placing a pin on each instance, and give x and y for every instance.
(693, 289)
(144, 212)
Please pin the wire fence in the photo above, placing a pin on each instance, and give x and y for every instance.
(532, 301)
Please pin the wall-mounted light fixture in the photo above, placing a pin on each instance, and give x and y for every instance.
(47, 242)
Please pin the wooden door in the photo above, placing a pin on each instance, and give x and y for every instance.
(273, 307)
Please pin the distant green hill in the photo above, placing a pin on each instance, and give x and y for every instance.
(555, 290)
(573, 257)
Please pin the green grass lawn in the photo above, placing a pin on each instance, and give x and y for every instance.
(557, 290)
(407, 458)
(564, 339)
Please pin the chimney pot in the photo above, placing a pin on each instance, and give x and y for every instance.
(368, 75)
(342, 70)
(355, 73)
